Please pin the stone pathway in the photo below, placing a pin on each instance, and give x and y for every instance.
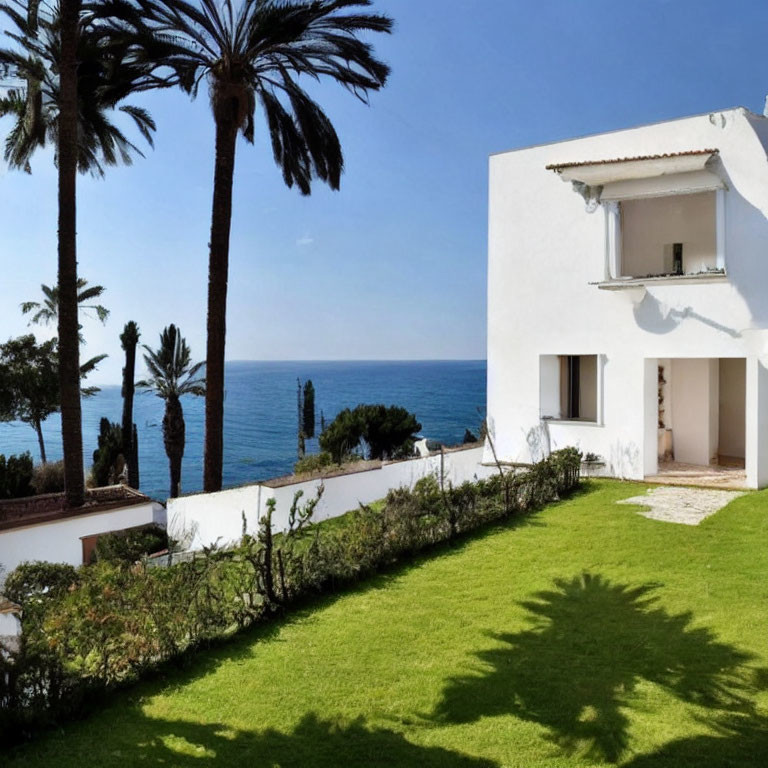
(688, 506)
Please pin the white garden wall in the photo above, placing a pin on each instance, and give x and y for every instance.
(60, 541)
(205, 519)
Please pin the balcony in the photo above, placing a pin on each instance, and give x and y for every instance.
(676, 239)
(664, 216)
(714, 275)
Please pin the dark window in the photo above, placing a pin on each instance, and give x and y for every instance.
(578, 387)
(573, 389)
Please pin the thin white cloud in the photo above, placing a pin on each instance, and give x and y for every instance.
(305, 241)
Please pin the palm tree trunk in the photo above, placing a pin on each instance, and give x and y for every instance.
(41, 442)
(175, 467)
(69, 348)
(129, 340)
(134, 480)
(218, 267)
(174, 436)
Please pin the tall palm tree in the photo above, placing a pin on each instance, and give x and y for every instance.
(171, 376)
(255, 52)
(67, 147)
(75, 74)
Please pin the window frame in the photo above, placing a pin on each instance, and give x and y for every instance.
(550, 391)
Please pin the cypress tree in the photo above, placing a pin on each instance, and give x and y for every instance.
(300, 444)
(129, 338)
(308, 412)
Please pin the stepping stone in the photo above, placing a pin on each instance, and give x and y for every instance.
(688, 506)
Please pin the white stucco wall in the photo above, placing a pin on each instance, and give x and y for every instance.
(545, 254)
(756, 429)
(60, 540)
(206, 519)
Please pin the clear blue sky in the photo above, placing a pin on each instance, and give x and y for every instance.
(394, 265)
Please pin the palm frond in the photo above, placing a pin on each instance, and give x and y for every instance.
(48, 310)
(254, 52)
(110, 69)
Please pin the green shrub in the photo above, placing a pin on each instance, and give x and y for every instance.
(323, 462)
(31, 582)
(131, 545)
(48, 478)
(16, 476)
(95, 627)
(313, 462)
(387, 431)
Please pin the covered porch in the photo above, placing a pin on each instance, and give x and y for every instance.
(696, 422)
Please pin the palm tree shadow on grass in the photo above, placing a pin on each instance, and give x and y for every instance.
(313, 743)
(739, 742)
(575, 669)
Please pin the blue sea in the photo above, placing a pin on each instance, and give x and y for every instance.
(260, 414)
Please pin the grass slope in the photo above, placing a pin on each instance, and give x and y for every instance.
(584, 635)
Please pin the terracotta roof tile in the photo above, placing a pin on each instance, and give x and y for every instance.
(16, 513)
(560, 166)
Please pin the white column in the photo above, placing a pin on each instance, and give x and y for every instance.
(720, 227)
(756, 442)
(612, 239)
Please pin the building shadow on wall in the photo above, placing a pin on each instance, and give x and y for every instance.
(746, 266)
(575, 669)
(653, 316)
(539, 441)
(625, 459)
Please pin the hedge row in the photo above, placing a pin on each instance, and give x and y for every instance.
(90, 629)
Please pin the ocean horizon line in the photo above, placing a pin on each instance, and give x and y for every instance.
(363, 360)
(338, 360)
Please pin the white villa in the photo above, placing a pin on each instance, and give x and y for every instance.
(628, 298)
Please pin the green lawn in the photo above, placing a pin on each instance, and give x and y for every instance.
(584, 634)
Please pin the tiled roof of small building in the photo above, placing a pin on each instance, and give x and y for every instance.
(578, 164)
(16, 513)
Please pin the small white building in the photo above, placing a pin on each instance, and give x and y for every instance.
(628, 297)
(42, 528)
